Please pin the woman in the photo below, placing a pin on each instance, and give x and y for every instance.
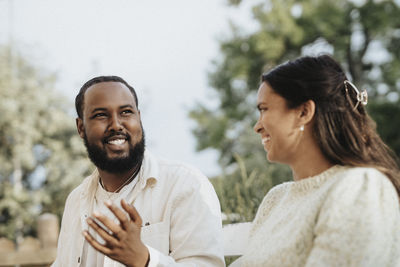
(342, 209)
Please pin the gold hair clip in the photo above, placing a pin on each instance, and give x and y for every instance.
(362, 97)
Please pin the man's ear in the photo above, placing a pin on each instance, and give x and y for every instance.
(80, 127)
(307, 112)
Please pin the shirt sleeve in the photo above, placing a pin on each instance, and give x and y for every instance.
(63, 233)
(158, 259)
(358, 224)
(196, 229)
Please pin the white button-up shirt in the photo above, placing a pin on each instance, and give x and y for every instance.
(179, 209)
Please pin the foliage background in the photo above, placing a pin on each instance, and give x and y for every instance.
(41, 157)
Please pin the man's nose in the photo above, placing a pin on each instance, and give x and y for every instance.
(115, 123)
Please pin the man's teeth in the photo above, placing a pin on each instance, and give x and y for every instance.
(117, 142)
(265, 140)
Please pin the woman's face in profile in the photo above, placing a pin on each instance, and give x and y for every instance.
(276, 125)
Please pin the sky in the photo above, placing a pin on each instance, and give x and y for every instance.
(164, 49)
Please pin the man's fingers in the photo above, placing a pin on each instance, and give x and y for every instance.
(121, 216)
(103, 233)
(93, 242)
(133, 213)
(107, 222)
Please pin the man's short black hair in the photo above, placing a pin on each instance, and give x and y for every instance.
(79, 100)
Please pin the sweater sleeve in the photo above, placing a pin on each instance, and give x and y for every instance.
(358, 224)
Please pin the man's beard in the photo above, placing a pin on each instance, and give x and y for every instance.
(99, 156)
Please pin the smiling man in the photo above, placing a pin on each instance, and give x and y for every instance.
(135, 209)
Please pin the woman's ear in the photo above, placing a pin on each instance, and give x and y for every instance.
(307, 111)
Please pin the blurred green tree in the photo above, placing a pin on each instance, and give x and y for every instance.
(41, 156)
(363, 35)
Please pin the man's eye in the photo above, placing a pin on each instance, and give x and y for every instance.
(99, 115)
(128, 111)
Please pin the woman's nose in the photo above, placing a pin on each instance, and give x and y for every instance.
(257, 127)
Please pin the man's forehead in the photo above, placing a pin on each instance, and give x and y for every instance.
(108, 93)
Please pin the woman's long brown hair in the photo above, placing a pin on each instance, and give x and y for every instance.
(346, 136)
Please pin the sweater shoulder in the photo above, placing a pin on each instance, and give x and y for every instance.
(361, 188)
(362, 178)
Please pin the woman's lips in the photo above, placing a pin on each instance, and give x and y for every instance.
(265, 139)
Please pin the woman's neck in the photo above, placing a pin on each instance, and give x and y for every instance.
(310, 162)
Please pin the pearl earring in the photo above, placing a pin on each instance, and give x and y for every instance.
(302, 128)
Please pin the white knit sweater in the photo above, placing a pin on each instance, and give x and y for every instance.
(341, 217)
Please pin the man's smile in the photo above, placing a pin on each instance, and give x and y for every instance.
(117, 142)
(116, 138)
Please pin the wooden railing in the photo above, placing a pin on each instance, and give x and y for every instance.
(31, 251)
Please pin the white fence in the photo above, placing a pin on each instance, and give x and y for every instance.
(235, 238)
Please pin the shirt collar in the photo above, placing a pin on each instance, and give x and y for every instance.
(148, 174)
(90, 184)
